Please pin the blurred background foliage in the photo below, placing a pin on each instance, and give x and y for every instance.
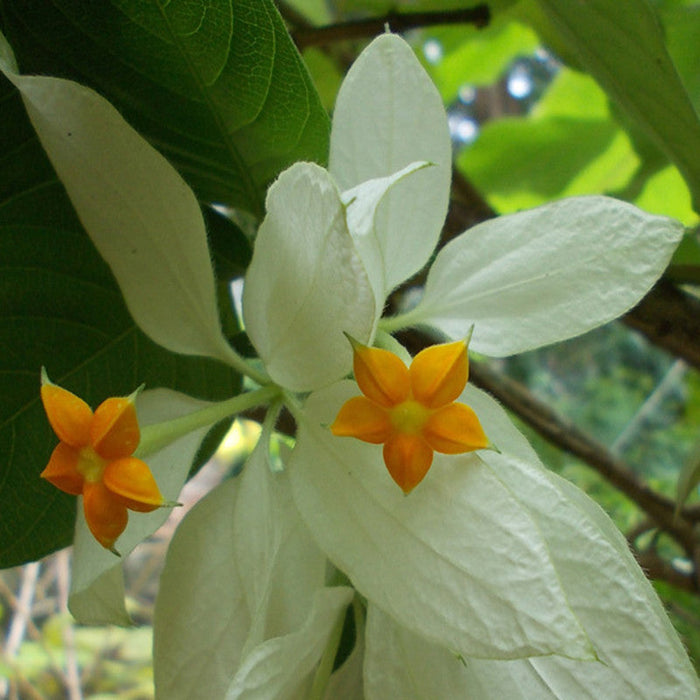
(528, 126)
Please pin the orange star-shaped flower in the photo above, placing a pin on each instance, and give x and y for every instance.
(93, 459)
(411, 410)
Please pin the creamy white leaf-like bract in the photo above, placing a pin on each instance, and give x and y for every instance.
(387, 115)
(540, 276)
(140, 214)
(460, 561)
(306, 285)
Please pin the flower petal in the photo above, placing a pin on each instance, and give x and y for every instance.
(105, 514)
(69, 415)
(454, 429)
(362, 419)
(61, 470)
(131, 479)
(114, 432)
(97, 585)
(408, 458)
(381, 375)
(439, 373)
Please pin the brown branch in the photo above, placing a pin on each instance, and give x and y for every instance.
(657, 568)
(305, 36)
(670, 319)
(292, 16)
(565, 435)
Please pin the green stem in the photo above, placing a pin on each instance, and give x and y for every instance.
(157, 436)
(391, 324)
(325, 665)
(243, 366)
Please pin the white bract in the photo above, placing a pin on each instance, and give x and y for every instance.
(493, 577)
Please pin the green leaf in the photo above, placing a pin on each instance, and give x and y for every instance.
(622, 46)
(478, 57)
(518, 162)
(62, 309)
(682, 25)
(219, 87)
(568, 145)
(666, 193)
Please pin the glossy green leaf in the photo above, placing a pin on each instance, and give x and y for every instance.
(682, 27)
(666, 193)
(62, 309)
(517, 162)
(218, 87)
(622, 45)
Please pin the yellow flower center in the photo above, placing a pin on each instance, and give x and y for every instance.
(409, 417)
(91, 465)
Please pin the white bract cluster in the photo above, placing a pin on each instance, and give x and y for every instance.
(495, 578)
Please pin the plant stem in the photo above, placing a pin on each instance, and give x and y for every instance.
(325, 665)
(243, 366)
(157, 436)
(391, 324)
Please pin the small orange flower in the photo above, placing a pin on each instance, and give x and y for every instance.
(93, 459)
(411, 410)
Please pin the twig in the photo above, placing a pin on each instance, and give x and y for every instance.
(21, 619)
(655, 567)
(670, 319)
(23, 608)
(71, 677)
(684, 274)
(305, 36)
(649, 407)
